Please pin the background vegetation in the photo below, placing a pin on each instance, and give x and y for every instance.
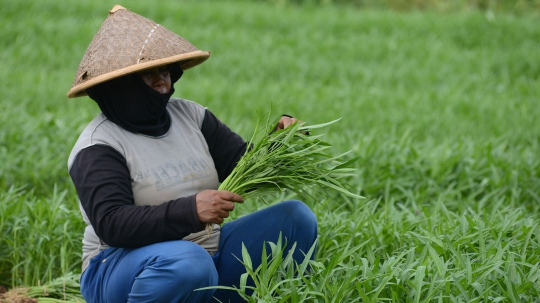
(441, 108)
(513, 6)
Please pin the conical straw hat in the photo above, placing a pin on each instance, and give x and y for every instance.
(127, 43)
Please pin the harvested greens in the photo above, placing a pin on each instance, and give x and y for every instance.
(289, 159)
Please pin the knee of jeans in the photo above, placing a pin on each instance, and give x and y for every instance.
(301, 214)
(195, 264)
(198, 274)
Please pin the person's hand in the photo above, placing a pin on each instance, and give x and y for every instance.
(285, 121)
(214, 205)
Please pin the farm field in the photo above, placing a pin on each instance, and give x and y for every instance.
(441, 110)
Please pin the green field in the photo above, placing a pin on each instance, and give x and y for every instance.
(441, 109)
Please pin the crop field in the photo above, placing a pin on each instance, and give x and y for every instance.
(441, 109)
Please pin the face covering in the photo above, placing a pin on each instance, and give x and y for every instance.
(133, 105)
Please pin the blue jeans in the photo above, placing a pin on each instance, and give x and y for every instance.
(170, 271)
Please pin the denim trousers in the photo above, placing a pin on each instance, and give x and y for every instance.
(171, 271)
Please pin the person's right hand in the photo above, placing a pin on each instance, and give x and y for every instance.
(214, 205)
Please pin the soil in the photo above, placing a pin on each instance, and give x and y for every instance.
(18, 300)
(13, 296)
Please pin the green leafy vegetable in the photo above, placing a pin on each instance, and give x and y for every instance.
(289, 159)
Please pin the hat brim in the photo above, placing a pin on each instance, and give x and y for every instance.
(186, 61)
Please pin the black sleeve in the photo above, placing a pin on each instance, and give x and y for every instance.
(103, 183)
(226, 147)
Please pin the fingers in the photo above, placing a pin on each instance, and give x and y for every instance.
(214, 205)
(230, 196)
(285, 122)
(288, 121)
(220, 215)
(227, 206)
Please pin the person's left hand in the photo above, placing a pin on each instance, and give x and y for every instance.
(285, 121)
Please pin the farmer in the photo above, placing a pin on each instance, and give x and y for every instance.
(146, 172)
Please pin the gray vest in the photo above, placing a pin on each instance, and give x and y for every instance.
(175, 165)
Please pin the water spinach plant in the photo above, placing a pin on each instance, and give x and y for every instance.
(290, 159)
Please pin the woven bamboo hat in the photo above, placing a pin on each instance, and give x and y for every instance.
(127, 43)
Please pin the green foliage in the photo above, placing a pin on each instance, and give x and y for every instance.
(514, 6)
(440, 109)
(40, 236)
(289, 159)
(277, 279)
(437, 256)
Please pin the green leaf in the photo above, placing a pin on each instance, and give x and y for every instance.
(246, 258)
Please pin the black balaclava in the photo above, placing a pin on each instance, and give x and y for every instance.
(133, 105)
